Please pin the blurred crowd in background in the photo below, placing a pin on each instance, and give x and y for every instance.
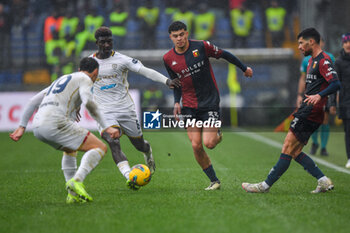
(52, 34)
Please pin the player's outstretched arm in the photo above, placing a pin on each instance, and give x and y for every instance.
(248, 72)
(158, 77)
(18, 133)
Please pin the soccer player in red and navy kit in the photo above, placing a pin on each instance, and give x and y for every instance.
(321, 81)
(189, 61)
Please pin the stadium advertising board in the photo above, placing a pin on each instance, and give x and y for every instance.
(12, 105)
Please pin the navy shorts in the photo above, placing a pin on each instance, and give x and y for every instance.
(303, 129)
(198, 114)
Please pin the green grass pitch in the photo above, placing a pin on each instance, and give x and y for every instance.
(32, 194)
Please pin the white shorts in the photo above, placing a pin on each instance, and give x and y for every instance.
(126, 121)
(68, 135)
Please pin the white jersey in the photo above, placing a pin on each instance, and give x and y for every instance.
(111, 86)
(62, 99)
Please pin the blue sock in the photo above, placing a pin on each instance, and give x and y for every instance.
(209, 171)
(278, 170)
(324, 135)
(314, 137)
(309, 165)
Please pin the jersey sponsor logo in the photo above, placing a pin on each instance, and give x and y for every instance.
(106, 77)
(195, 53)
(174, 63)
(191, 70)
(135, 61)
(310, 77)
(108, 86)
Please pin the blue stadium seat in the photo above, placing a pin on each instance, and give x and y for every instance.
(133, 37)
(223, 34)
(17, 45)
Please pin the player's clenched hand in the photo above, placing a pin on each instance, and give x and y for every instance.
(113, 132)
(17, 134)
(172, 83)
(312, 99)
(248, 72)
(177, 111)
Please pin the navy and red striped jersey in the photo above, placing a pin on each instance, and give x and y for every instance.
(320, 72)
(198, 85)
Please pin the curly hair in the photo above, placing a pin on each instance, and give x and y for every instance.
(103, 31)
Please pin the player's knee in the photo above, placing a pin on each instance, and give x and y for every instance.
(197, 146)
(103, 147)
(210, 144)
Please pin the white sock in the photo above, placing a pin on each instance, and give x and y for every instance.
(265, 185)
(89, 161)
(124, 168)
(69, 165)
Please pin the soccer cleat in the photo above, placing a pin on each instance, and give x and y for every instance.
(347, 165)
(219, 135)
(131, 185)
(214, 185)
(324, 152)
(324, 184)
(79, 189)
(72, 199)
(150, 161)
(254, 188)
(313, 149)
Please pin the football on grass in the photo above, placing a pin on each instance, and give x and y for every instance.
(140, 174)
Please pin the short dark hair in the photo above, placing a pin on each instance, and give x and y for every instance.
(176, 26)
(103, 31)
(88, 64)
(310, 33)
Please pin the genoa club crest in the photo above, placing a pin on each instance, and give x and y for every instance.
(195, 53)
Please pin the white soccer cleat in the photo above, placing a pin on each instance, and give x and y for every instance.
(255, 188)
(150, 161)
(347, 165)
(324, 184)
(214, 185)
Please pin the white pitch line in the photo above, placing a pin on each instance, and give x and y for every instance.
(275, 144)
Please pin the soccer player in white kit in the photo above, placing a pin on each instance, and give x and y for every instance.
(54, 124)
(111, 94)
